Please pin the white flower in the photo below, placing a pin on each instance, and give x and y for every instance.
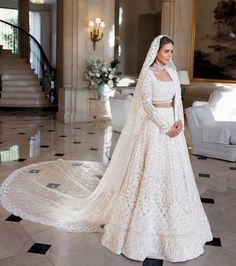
(110, 83)
(98, 75)
(110, 76)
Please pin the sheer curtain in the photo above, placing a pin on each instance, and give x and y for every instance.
(35, 30)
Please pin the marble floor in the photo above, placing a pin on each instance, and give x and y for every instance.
(27, 138)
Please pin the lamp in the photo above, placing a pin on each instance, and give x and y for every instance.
(38, 1)
(183, 80)
(96, 30)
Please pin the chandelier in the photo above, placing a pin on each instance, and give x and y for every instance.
(38, 1)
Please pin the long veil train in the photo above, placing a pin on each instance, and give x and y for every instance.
(79, 200)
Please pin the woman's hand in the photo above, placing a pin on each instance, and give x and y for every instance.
(175, 129)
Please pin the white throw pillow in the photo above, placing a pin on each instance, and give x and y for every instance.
(223, 105)
(204, 115)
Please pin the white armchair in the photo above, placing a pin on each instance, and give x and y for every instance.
(222, 104)
(211, 138)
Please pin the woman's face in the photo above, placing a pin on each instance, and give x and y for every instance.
(165, 53)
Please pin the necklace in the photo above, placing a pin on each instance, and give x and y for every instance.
(158, 67)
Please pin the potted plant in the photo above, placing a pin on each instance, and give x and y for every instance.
(102, 76)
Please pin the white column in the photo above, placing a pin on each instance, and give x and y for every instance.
(74, 95)
(177, 22)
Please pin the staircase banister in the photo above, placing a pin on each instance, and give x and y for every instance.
(35, 40)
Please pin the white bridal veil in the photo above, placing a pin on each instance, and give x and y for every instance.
(77, 200)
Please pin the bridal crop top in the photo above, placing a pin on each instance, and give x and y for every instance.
(154, 90)
(162, 91)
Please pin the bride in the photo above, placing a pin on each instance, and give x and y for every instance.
(147, 203)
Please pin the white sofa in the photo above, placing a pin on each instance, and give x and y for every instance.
(210, 138)
(222, 104)
(120, 105)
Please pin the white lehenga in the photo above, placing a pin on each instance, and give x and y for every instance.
(147, 203)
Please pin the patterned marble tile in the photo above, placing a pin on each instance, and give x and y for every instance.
(13, 218)
(13, 239)
(69, 248)
(39, 248)
(26, 259)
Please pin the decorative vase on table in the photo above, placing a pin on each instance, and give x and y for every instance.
(103, 91)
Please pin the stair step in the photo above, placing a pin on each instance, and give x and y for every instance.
(15, 66)
(22, 88)
(19, 77)
(16, 71)
(10, 56)
(7, 61)
(6, 52)
(20, 94)
(24, 102)
(20, 82)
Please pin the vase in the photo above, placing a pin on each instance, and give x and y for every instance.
(102, 91)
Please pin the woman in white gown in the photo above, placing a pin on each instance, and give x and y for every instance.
(158, 213)
(147, 203)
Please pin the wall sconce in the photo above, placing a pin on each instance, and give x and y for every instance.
(96, 30)
(38, 1)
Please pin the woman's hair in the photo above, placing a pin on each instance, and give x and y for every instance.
(164, 40)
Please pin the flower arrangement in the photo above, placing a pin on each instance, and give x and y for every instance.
(98, 73)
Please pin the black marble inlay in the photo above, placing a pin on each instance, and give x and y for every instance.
(1, 142)
(215, 242)
(204, 175)
(53, 185)
(13, 128)
(20, 160)
(77, 128)
(21, 133)
(93, 149)
(77, 164)
(62, 136)
(44, 146)
(232, 168)
(77, 142)
(59, 154)
(207, 200)
(34, 171)
(116, 132)
(39, 248)
(99, 176)
(152, 262)
(91, 133)
(200, 157)
(41, 126)
(51, 130)
(13, 218)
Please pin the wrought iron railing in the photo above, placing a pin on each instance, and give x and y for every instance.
(26, 46)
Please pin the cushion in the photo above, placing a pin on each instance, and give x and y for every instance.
(223, 104)
(233, 140)
(204, 115)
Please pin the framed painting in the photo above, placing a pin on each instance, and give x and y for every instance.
(214, 41)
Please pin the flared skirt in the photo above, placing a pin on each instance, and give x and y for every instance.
(158, 213)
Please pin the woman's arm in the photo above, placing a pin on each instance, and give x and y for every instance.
(148, 107)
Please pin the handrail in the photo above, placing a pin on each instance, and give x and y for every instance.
(35, 40)
(48, 71)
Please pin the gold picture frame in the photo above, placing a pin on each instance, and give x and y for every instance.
(214, 41)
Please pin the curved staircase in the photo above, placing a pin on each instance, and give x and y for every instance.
(20, 87)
